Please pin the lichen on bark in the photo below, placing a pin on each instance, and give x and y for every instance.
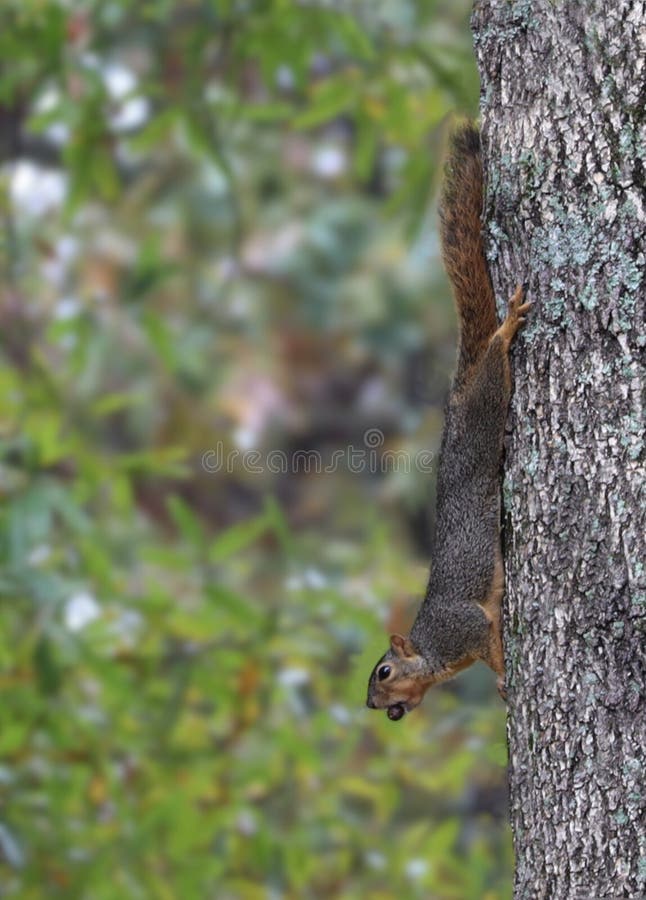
(563, 118)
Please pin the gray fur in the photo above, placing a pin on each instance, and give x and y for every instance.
(467, 539)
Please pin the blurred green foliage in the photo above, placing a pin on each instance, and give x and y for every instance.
(216, 236)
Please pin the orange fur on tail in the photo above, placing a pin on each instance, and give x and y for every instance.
(462, 246)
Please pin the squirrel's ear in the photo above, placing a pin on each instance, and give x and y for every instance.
(401, 646)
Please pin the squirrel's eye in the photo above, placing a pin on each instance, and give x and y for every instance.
(383, 672)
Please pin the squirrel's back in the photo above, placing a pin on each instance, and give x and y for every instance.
(462, 246)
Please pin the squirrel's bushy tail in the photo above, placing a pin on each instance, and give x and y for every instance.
(462, 246)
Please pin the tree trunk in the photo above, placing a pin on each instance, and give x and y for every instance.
(563, 111)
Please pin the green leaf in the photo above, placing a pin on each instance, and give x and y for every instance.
(185, 520)
(47, 669)
(117, 401)
(266, 112)
(357, 41)
(365, 147)
(331, 98)
(238, 537)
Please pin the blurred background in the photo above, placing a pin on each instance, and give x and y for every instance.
(220, 266)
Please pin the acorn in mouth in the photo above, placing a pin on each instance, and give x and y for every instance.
(396, 712)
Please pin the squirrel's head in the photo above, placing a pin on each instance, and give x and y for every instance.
(400, 679)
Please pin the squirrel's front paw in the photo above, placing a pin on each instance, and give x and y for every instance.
(502, 689)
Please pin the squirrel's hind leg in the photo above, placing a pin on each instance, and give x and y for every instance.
(488, 391)
(495, 658)
(516, 310)
(494, 655)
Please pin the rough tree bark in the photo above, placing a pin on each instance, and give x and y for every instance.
(563, 111)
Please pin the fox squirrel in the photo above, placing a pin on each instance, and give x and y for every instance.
(459, 620)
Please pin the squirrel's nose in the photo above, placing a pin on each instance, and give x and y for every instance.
(370, 704)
